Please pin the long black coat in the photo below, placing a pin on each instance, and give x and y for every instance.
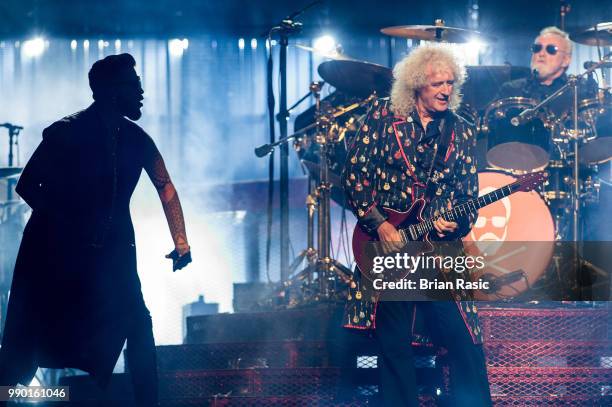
(75, 286)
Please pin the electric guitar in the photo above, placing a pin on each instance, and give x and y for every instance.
(413, 228)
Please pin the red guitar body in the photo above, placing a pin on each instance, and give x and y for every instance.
(364, 244)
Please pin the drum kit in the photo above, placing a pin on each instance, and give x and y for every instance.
(569, 145)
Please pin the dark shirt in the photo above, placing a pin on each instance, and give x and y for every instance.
(75, 278)
(390, 161)
(530, 87)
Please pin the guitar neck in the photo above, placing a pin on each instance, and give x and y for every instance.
(421, 229)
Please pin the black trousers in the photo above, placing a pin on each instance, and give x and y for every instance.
(468, 373)
(141, 363)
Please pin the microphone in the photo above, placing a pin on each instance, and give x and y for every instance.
(523, 117)
(264, 150)
(527, 114)
(590, 64)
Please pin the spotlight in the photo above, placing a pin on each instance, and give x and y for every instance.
(254, 43)
(475, 46)
(325, 44)
(472, 50)
(177, 47)
(73, 45)
(241, 43)
(34, 47)
(117, 45)
(86, 44)
(102, 44)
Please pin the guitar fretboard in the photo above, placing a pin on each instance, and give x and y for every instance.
(419, 230)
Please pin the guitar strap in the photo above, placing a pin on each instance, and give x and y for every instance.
(446, 130)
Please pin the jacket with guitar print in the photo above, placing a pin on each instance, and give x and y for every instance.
(388, 165)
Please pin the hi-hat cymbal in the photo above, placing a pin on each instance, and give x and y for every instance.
(357, 78)
(9, 171)
(438, 33)
(600, 34)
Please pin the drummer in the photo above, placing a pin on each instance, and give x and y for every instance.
(551, 55)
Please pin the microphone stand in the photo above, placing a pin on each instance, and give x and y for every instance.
(287, 27)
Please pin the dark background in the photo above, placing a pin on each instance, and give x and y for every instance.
(241, 17)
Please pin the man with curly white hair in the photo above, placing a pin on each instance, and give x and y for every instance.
(412, 146)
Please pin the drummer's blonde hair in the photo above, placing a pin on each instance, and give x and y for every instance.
(410, 75)
(552, 30)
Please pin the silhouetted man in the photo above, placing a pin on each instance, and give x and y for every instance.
(75, 296)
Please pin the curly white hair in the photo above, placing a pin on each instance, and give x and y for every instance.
(410, 75)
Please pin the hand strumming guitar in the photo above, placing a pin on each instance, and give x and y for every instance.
(390, 238)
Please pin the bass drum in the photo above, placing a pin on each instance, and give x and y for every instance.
(516, 236)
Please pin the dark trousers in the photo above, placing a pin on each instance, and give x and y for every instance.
(141, 362)
(468, 373)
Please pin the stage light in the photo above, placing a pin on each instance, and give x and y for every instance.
(86, 44)
(177, 47)
(117, 45)
(325, 44)
(254, 43)
(475, 46)
(241, 43)
(35, 382)
(73, 45)
(34, 47)
(102, 44)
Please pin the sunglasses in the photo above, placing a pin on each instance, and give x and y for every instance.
(550, 49)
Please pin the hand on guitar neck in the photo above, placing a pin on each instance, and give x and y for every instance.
(443, 227)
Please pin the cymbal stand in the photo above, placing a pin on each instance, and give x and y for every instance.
(13, 131)
(320, 260)
(321, 264)
(563, 12)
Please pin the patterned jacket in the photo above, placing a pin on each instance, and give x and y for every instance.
(388, 166)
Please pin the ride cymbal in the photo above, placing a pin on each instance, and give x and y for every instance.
(597, 35)
(439, 33)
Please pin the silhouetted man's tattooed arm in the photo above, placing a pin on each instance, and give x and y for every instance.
(170, 202)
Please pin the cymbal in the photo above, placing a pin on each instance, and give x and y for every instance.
(600, 34)
(438, 33)
(333, 54)
(357, 78)
(9, 171)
